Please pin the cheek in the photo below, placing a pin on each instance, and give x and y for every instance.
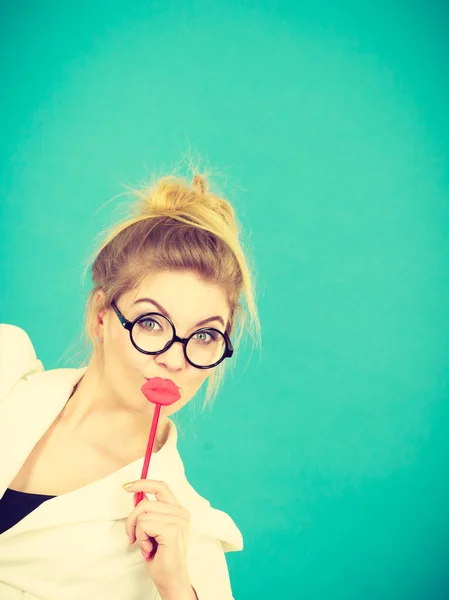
(190, 388)
(195, 381)
(120, 355)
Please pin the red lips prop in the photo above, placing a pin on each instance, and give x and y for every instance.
(161, 392)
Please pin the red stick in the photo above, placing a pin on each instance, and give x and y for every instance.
(160, 392)
(139, 496)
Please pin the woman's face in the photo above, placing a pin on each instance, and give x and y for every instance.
(187, 299)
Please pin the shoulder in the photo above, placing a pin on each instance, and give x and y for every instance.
(17, 357)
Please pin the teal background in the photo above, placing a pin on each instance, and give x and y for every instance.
(327, 126)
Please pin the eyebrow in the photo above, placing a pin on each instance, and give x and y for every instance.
(164, 312)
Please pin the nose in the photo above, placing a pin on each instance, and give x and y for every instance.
(173, 358)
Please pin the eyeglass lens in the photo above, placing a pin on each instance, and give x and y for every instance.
(154, 333)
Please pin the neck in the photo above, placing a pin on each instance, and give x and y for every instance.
(93, 411)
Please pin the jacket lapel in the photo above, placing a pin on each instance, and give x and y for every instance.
(26, 414)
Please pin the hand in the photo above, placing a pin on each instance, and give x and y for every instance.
(161, 528)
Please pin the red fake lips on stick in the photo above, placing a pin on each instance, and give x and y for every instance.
(161, 392)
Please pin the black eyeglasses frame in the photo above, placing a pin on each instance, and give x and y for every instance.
(130, 324)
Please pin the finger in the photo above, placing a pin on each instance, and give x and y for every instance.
(151, 486)
(153, 507)
(156, 525)
(133, 524)
(147, 546)
(152, 531)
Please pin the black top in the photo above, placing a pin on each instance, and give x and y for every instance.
(14, 506)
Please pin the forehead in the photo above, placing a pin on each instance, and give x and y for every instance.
(184, 295)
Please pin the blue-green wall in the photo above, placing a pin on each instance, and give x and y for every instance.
(328, 126)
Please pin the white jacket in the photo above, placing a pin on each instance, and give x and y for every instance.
(74, 546)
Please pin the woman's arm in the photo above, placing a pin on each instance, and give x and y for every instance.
(17, 357)
(188, 594)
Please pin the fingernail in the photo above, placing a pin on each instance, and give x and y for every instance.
(128, 485)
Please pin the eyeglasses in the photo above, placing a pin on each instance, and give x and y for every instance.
(153, 333)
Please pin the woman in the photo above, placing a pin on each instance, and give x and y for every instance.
(167, 289)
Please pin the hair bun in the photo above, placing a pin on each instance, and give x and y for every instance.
(172, 194)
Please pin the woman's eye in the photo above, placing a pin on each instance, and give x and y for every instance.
(148, 324)
(208, 336)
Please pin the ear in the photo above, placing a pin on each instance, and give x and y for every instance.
(99, 313)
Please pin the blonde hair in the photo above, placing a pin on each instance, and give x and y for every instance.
(174, 226)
